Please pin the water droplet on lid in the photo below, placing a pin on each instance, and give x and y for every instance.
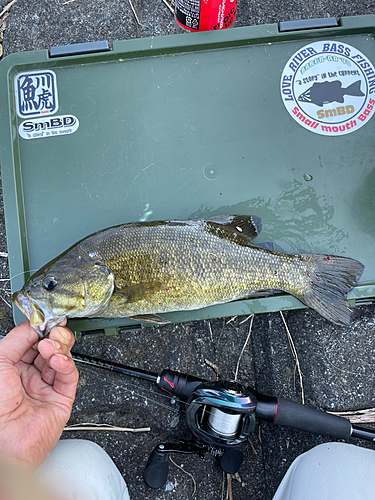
(211, 171)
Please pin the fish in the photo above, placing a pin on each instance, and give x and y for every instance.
(142, 270)
(327, 92)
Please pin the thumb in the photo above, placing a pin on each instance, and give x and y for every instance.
(18, 342)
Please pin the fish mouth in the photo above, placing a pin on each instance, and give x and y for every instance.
(40, 318)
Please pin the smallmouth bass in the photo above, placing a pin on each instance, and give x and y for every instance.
(143, 269)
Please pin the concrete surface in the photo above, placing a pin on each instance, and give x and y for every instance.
(337, 363)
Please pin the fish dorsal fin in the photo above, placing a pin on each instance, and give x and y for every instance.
(247, 226)
(140, 291)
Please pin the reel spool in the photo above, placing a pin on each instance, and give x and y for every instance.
(222, 414)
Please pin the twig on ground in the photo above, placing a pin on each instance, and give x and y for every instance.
(188, 473)
(295, 356)
(243, 348)
(91, 426)
(364, 416)
(135, 14)
(169, 6)
(213, 366)
(229, 487)
(252, 446)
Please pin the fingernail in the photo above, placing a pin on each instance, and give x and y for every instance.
(62, 356)
(55, 344)
(65, 334)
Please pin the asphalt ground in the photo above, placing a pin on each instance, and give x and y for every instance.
(337, 363)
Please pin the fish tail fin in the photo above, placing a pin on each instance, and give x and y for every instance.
(331, 278)
(354, 89)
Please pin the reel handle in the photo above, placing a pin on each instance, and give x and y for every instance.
(156, 471)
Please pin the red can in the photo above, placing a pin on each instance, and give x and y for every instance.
(204, 15)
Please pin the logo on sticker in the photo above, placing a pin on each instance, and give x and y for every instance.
(48, 127)
(36, 93)
(328, 88)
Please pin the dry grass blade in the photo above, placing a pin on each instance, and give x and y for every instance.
(7, 7)
(6, 302)
(135, 14)
(169, 6)
(295, 356)
(188, 473)
(231, 319)
(209, 327)
(243, 348)
(252, 446)
(213, 366)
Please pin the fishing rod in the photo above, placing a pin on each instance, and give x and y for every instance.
(221, 416)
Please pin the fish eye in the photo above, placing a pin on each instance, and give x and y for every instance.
(50, 283)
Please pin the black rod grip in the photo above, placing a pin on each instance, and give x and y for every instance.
(302, 417)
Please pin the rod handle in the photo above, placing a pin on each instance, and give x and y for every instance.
(302, 417)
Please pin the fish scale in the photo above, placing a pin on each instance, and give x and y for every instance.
(140, 270)
(196, 268)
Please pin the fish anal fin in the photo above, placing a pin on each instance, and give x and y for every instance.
(140, 291)
(150, 318)
(247, 226)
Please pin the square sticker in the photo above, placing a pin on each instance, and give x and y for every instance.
(36, 93)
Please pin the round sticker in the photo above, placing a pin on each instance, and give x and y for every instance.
(328, 87)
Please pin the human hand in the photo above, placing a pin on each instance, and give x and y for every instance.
(37, 390)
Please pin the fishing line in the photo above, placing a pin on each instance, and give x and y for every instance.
(19, 274)
(122, 387)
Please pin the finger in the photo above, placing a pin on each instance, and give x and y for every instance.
(39, 362)
(48, 374)
(62, 335)
(66, 377)
(18, 342)
(48, 347)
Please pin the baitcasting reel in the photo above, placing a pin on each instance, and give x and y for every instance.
(220, 416)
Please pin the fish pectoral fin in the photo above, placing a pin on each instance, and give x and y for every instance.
(150, 318)
(140, 291)
(247, 226)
